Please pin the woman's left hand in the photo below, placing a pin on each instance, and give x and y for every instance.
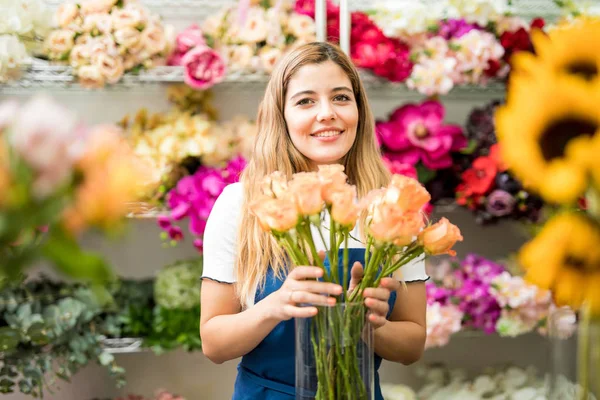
(376, 299)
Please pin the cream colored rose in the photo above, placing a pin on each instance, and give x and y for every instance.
(80, 55)
(269, 57)
(97, 6)
(126, 18)
(97, 23)
(130, 61)
(103, 45)
(301, 26)
(153, 39)
(90, 77)
(110, 67)
(59, 43)
(212, 24)
(238, 57)
(127, 37)
(84, 39)
(66, 14)
(255, 28)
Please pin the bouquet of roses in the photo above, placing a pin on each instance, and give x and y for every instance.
(396, 234)
(103, 39)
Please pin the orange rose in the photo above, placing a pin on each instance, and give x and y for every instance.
(305, 188)
(390, 224)
(344, 210)
(275, 214)
(407, 192)
(440, 237)
(274, 185)
(333, 179)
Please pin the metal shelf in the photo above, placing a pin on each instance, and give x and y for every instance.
(200, 9)
(123, 345)
(41, 76)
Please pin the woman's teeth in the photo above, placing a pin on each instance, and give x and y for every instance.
(327, 134)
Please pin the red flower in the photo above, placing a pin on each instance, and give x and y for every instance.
(497, 157)
(519, 40)
(480, 177)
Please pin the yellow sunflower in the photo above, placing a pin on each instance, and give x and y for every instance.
(565, 258)
(570, 48)
(548, 134)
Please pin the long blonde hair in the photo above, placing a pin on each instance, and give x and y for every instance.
(273, 151)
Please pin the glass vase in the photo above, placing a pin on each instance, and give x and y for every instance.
(575, 356)
(335, 354)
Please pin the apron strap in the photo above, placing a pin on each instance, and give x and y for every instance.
(267, 383)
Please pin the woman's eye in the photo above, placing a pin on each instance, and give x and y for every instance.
(303, 102)
(341, 97)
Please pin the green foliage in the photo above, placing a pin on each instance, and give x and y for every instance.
(47, 330)
(50, 330)
(177, 286)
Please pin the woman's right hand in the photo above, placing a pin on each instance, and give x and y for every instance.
(299, 287)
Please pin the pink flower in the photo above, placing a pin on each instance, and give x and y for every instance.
(415, 132)
(442, 322)
(186, 40)
(396, 167)
(194, 197)
(203, 66)
(307, 7)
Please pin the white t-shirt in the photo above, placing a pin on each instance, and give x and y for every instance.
(220, 240)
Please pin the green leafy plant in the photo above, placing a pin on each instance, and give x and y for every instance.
(48, 330)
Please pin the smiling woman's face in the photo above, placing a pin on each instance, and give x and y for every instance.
(321, 112)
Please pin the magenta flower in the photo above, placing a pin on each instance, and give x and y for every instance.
(186, 40)
(455, 28)
(194, 197)
(307, 7)
(416, 132)
(203, 67)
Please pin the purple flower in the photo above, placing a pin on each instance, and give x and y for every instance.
(455, 28)
(500, 203)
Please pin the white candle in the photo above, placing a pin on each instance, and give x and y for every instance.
(321, 20)
(345, 26)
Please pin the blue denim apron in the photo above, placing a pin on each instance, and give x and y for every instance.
(268, 371)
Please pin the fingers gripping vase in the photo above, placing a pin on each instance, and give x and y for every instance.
(335, 354)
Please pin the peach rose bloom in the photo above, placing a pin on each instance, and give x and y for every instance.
(274, 185)
(154, 39)
(110, 67)
(407, 192)
(344, 210)
(127, 37)
(80, 55)
(269, 57)
(305, 188)
(275, 214)
(238, 57)
(101, 22)
(126, 18)
(66, 14)
(59, 43)
(332, 179)
(390, 224)
(97, 6)
(439, 238)
(302, 26)
(90, 77)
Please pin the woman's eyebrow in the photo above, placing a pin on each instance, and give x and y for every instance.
(334, 90)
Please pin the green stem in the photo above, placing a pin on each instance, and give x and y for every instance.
(313, 249)
(345, 264)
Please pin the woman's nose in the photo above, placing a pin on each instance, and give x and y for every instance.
(326, 112)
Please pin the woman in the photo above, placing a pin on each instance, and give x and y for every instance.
(314, 112)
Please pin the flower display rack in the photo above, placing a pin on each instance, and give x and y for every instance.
(59, 77)
(198, 9)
